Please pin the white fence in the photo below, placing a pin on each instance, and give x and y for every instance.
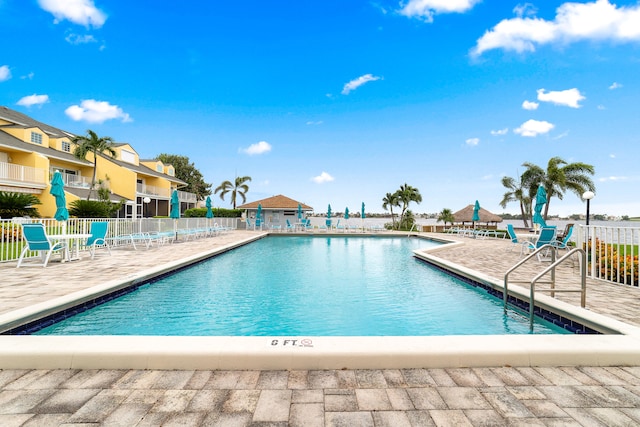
(612, 252)
(11, 242)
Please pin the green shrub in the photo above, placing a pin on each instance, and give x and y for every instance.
(92, 209)
(217, 212)
(18, 204)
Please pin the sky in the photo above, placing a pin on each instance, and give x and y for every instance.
(340, 102)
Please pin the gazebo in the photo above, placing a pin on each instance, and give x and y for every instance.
(466, 215)
(276, 210)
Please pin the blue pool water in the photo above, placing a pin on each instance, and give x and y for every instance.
(306, 286)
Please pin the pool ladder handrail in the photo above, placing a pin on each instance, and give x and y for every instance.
(551, 268)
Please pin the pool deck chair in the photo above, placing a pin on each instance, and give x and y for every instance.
(565, 241)
(290, 227)
(514, 238)
(546, 237)
(98, 237)
(37, 240)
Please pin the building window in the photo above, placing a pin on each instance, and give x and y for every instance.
(170, 171)
(36, 138)
(159, 168)
(66, 146)
(128, 156)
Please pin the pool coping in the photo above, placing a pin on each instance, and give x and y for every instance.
(620, 347)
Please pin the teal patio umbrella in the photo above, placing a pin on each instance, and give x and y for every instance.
(259, 215)
(541, 200)
(346, 213)
(476, 213)
(57, 191)
(208, 205)
(299, 211)
(362, 216)
(328, 221)
(175, 205)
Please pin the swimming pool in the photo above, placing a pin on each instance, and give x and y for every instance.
(297, 286)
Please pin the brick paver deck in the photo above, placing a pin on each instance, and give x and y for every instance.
(588, 396)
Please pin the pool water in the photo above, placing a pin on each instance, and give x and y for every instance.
(306, 286)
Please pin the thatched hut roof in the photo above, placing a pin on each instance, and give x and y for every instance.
(466, 215)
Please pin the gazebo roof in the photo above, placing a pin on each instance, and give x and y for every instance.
(466, 215)
(276, 202)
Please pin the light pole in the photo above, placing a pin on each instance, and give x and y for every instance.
(146, 201)
(588, 195)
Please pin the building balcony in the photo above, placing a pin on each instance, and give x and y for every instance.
(153, 191)
(11, 173)
(187, 197)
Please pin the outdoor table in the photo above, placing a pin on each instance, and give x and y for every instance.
(69, 238)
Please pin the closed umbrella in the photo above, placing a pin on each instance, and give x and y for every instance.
(476, 213)
(175, 212)
(299, 211)
(328, 221)
(259, 216)
(346, 213)
(208, 205)
(362, 216)
(57, 191)
(175, 205)
(541, 200)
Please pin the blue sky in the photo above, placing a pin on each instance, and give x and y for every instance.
(338, 101)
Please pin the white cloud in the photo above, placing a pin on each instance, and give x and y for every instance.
(569, 97)
(322, 178)
(28, 76)
(526, 9)
(533, 128)
(612, 156)
(80, 39)
(5, 73)
(93, 111)
(28, 101)
(562, 135)
(257, 148)
(311, 123)
(356, 83)
(530, 105)
(500, 132)
(601, 107)
(426, 9)
(597, 20)
(613, 178)
(82, 12)
(615, 85)
(473, 141)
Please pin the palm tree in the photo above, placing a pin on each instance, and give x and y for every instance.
(388, 202)
(518, 194)
(446, 216)
(95, 145)
(407, 194)
(559, 177)
(237, 188)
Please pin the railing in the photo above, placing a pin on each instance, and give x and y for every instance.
(612, 253)
(13, 172)
(187, 197)
(79, 181)
(151, 190)
(552, 282)
(11, 242)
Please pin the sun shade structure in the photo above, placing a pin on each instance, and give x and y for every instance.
(466, 215)
(476, 210)
(57, 191)
(208, 205)
(541, 200)
(175, 205)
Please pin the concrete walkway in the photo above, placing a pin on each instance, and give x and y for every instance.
(567, 396)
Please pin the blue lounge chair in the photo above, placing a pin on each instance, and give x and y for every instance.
(290, 227)
(546, 237)
(37, 240)
(565, 241)
(98, 237)
(514, 238)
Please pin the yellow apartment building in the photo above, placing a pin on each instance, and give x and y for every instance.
(31, 151)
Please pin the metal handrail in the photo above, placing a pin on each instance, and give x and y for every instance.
(551, 268)
(583, 282)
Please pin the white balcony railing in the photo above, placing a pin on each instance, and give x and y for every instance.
(150, 190)
(187, 197)
(78, 181)
(13, 172)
